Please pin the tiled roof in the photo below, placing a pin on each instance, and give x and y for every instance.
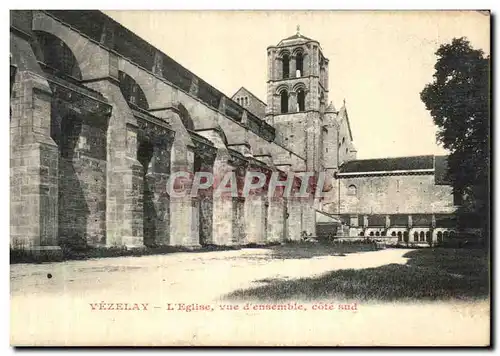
(343, 114)
(295, 38)
(331, 108)
(388, 164)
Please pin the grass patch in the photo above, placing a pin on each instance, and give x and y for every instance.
(308, 250)
(430, 274)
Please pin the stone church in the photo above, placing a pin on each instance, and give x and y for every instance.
(99, 120)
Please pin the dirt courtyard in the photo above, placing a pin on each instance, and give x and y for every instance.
(185, 299)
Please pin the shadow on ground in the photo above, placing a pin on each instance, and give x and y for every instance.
(68, 254)
(430, 274)
(288, 250)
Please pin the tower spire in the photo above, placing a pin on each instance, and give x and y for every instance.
(298, 30)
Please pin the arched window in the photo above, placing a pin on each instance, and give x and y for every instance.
(246, 100)
(405, 236)
(452, 233)
(377, 233)
(299, 64)
(343, 140)
(351, 190)
(440, 237)
(400, 236)
(383, 233)
(445, 234)
(361, 233)
(301, 100)
(371, 233)
(393, 233)
(286, 66)
(415, 236)
(428, 235)
(238, 101)
(422, 236)
(284, 101)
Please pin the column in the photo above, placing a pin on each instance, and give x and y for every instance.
(33, 168)
(184, 224)
(294, 220)
(292, 102)
(124, 216)
(223, 229)
(223, 207)
(205, 163)
(276, 219)
(157, 180)
(308, 217)
(131, 186)
(255, 219)
(293, 66)
(238, 222)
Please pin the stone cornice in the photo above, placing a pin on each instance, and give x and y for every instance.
(385, 173)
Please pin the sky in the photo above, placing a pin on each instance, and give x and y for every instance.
(379, 60)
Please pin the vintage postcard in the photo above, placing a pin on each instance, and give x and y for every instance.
(249, 178)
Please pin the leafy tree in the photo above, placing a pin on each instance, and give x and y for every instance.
(458, 100)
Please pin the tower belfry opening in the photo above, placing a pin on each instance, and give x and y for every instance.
(299, 65)
(284, 102)
(286, 66)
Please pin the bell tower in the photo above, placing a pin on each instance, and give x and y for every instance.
(297, 90)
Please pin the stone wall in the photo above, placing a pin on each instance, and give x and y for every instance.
(393, 194)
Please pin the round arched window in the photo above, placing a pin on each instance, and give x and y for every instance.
(352, 190)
